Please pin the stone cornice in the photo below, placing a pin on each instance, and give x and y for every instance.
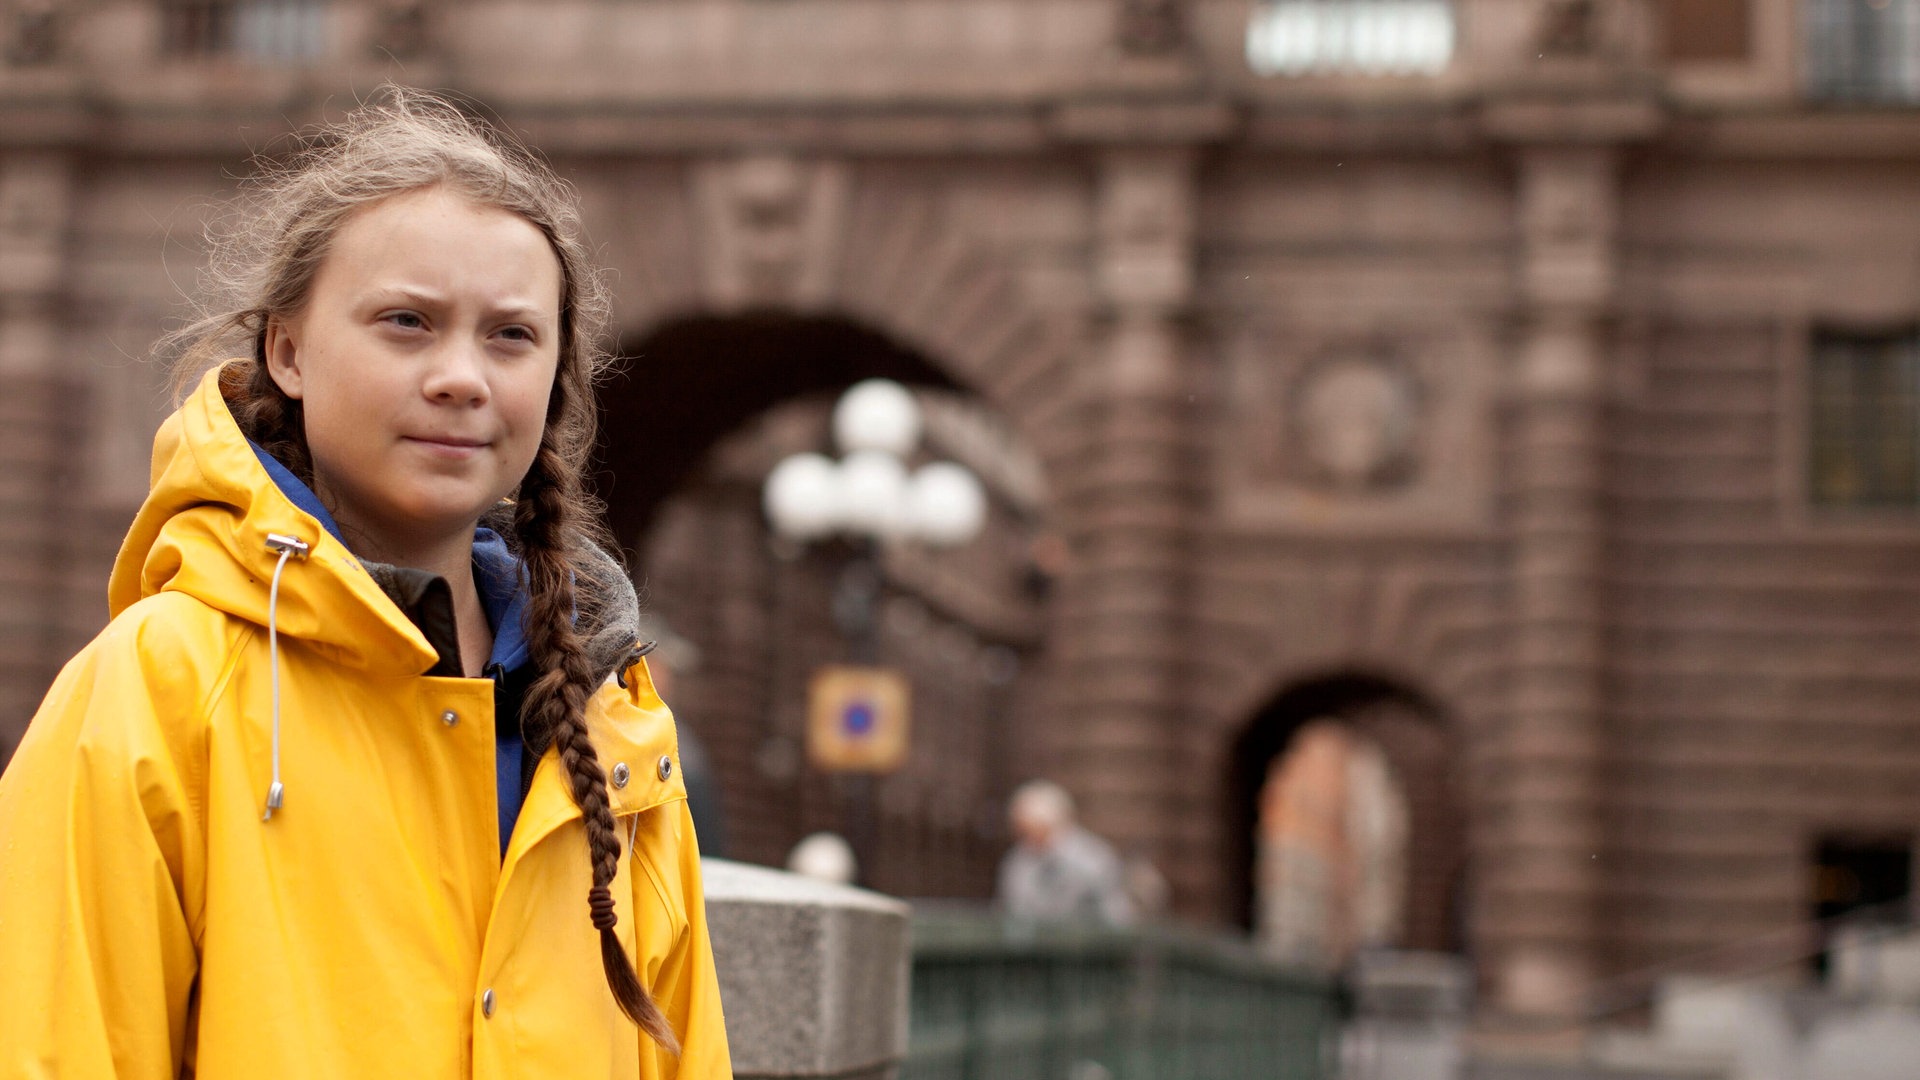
(53, 112)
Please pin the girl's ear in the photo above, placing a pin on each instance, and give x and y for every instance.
(283, 357)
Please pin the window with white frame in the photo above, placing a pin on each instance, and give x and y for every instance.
(263, 31)
(1863, 51)
(1364, 37)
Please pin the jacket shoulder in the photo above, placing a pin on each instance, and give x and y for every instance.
(171, 652)
(172, 633)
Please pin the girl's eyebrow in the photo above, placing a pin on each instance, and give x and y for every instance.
(515, 309)
(403, 294)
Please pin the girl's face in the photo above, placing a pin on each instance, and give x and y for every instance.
(424, 359)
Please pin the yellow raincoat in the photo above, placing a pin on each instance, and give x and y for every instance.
(153, 925)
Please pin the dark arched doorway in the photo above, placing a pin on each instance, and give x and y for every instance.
(687, 384)
(1411, 735)
(703, 411)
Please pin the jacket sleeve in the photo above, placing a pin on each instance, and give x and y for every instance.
(98, 845)
(685, 986)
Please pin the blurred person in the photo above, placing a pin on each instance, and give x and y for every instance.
(825, 856)
(1058, 870)
(368, 725)
(1147, 888)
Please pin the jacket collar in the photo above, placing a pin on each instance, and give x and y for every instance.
(497, 573)
(628, 726)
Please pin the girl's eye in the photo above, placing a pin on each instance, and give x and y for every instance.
(405, 320)
(517, 333)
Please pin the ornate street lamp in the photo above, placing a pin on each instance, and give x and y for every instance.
(857, 714)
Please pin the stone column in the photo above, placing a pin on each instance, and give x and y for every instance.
(1544, 891)
(40, 419)
(1128, 507)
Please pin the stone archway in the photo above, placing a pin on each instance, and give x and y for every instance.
(710, 404)
(1058, 292)
(1412, 734)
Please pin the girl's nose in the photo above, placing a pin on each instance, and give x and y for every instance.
(457, 374)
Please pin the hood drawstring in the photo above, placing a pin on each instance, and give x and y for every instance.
(288, 547)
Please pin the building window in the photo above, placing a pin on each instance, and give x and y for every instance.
(1865, 51)
(265, 31)
(1364, 37)
(1865, 430)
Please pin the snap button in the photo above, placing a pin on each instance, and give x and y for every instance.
(486, 1003)
(666, 766)
(621, 774)
(449, 718)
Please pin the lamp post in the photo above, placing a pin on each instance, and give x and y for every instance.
(868, 498)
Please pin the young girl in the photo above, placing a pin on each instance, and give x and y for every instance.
(366, 778)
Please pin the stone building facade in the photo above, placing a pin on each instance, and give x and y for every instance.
(1479, 404)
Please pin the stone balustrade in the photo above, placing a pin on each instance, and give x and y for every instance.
(814, 977)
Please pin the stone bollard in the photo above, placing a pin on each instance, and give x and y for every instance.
(813, 976)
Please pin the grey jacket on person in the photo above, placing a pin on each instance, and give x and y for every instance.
(1076, 877)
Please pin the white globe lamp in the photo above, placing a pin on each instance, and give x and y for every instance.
(877, 414)
(945, 505)
(873, 488)
(802, 497)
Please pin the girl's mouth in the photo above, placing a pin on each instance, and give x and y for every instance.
(449, 445)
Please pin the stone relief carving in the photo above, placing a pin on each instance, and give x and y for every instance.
(1150, 27)
(1568, 28)
(1342, 427)
(771, 226)
(1355, 422)
(1146, 228)
(35, 37)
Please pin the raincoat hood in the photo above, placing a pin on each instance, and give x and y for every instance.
(209, 494)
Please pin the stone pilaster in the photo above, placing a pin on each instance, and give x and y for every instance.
(1129, 506)
(1543, 894)
(39, 423)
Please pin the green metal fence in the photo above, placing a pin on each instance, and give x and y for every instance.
(1001, 1000)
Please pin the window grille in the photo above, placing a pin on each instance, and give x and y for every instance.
(263, 31)
(1366, 37)
(1863, 51)
(1864, 397)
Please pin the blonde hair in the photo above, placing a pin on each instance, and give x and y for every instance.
(266, 252)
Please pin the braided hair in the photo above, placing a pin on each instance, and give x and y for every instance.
(265, 256)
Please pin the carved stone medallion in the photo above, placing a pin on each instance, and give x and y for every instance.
(1355, 421)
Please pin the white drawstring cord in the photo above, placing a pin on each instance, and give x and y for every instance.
(288, 547)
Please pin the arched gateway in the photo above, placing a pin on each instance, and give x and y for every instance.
(705, 410)
(1347, 825)
(760, 278)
